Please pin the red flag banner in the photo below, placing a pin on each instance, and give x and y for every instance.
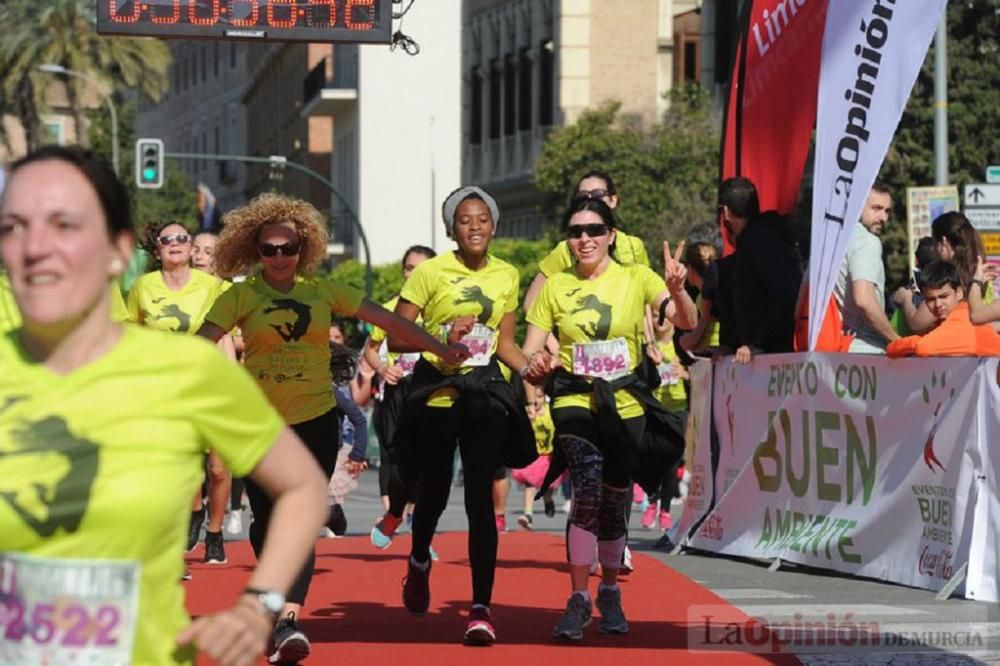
(772, 98)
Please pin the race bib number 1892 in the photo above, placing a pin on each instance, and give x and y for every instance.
(607, 359)
(58, 611)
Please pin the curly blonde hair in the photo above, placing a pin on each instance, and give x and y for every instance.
(236, 252)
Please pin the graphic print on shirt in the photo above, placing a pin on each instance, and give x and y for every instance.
(173, 311)
(474, 294)
(599, 329)
(52, 502)
(291, 331)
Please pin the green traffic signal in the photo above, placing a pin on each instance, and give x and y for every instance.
(149, 174)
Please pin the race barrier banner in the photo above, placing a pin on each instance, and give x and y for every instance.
(860, 464)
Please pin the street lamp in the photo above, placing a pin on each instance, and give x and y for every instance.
(50, 68)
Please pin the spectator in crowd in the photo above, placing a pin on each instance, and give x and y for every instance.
(699, 257)
(860, 288)
(907, 299)
(952, 334)
(766, 273)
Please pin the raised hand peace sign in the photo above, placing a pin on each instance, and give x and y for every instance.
(674, 272)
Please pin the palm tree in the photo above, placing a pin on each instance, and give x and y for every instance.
(64, 32)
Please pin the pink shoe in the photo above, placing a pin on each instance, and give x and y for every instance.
(501, 523)
(665, 521)
(649, 517)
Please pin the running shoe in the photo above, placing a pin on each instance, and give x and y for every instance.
(501, 523)
(574, 620)
(480, 629)
(665, 521)
(609, 602)
(337, 522)
(194, 528)
(186, 575)
(384, 530)
(417, 588)
(434, 555)
(550, 507)
(627, 566)
(288, 644)
(525, 521)
(215, 551)
(234, 523)
(649, 517)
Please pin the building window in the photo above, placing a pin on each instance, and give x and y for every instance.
(495, 76)
(510, 95)
(204, 64)
(54, 132)
(524, 91)
(215, 59)
(232, 54)
(546, 83)
(476, 109)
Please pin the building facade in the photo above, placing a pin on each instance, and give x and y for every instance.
(529, 66)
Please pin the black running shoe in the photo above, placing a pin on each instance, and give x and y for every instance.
(337, 521)
(289, 644)
(550, 507)
(194, 528)
(417, 588)
(215, 550)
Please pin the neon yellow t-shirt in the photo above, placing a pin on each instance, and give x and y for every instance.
(710, 337)
(152, 303)
(671, 392)
(545, 430)
(445, 289)
(99, 466)
(287, 338)
(629, 250)
(10, 316)
(608, 307)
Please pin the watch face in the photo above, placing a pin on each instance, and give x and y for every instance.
(272, 601)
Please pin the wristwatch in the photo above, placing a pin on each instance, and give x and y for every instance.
(271, 601)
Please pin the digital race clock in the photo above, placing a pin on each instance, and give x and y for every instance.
(282, 20)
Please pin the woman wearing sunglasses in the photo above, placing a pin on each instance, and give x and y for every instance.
(467, 296)
(285, 313)
(602, 404)
(176, 298)
(103, 433)
(597, 185)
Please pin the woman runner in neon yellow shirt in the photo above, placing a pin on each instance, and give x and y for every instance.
(285, 313)
(601, 403)
(103, 430)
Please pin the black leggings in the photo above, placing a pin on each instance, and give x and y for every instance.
(438, 438)
(321, 436)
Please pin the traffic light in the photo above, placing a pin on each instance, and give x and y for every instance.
(149, 163)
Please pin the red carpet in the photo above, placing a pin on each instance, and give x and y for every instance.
(355, 615)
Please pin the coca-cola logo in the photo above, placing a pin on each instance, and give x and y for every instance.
(712, 528)
(937, 564)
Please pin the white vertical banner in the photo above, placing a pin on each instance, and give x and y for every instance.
(698, 451)
(872, 52)
(983, 580)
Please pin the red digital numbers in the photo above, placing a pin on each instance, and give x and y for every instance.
(355, 15)
(211, 19)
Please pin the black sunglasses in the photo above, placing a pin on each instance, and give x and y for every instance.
(270, 249)
(592, 230)
(175, 238)
(591, 194)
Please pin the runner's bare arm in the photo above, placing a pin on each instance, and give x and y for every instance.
(533, 290)
(404, 333)
(507, 348)
(211, 331)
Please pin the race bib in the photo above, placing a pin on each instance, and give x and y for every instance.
(479, 341)
(607, 359)
(407, 362)
(59, 611)
(668, 374)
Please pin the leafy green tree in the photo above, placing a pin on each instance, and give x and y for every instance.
(666, 176)
(64, 32)
(973, 119)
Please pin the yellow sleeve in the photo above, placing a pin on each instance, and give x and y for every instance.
(377, 334)
(556, 261)
(343, 299)
(542, 311)
(231, 414)
(132, 308)
(119, 311)
(511, 303)
(639, 251)
(419, 288)
(652, 284)
(225, 312)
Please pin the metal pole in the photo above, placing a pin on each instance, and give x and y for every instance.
(114, 134)
(941, 102)
(278, 160)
